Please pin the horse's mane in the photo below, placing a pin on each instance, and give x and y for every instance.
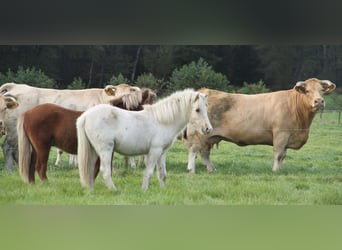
(129, 101)
(170, 107)
(132, 100)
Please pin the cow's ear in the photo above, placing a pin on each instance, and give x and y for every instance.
(11, 102)
(328, 86)
(300, 87)
(110, 90)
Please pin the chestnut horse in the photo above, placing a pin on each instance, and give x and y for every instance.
(49, 125)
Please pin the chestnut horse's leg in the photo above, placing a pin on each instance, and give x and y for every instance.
(42, 159)
(32, 166)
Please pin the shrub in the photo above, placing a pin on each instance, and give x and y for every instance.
(32, 76)
(253, 88)
(77, 83)
(196, 75)
(115, 80)
(148, 80)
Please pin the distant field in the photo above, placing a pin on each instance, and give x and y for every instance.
(312, 175)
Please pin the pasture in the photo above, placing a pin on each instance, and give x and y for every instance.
(311, 175)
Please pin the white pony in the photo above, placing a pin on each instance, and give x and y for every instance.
(105, 129)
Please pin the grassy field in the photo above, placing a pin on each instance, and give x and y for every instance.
(311, 175)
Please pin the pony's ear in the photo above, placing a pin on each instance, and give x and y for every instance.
(110, 90)
(11, 102)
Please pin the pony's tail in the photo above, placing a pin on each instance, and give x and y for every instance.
(86, 155)
(24, 149)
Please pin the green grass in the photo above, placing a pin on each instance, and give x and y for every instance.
(311, 175)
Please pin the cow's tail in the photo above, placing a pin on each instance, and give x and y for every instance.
(24, 150)
(86, 155)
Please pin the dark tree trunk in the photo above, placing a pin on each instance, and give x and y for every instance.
(137, 57)
(90, 74)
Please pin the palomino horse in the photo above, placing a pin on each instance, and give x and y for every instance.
(105, 129)
(49, 125)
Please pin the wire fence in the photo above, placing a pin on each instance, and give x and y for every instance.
(332, 115)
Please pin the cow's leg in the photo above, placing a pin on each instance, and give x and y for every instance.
(15, 154)
(192, 159)
(131, 161)
(8, 154)
(279, 156)
(142, 160)
(73, 160)
(279, 149)
(205, 155)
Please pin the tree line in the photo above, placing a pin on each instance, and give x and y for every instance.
(277, 67)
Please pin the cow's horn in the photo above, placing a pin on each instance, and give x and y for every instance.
(327, 82)
(328, 86)
(300, 83)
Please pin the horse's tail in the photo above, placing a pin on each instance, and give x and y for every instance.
(24, 149)
(86, 155)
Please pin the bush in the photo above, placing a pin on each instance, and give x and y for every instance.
(77, 83)
(253, 88)
(29, 76)
(196, 75)
(148, 80)
(115, 80)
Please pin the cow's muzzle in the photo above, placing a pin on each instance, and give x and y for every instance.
(2, 129)
(207, 129)
(319, 103)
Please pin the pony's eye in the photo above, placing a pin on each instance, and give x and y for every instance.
(197, 110)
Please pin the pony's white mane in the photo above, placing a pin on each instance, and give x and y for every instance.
(169, 108)
(132, 100)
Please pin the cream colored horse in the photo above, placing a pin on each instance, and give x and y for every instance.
(104, 129)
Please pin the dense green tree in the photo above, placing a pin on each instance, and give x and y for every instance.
(280, 67)
(31, 76)
(196, 75)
